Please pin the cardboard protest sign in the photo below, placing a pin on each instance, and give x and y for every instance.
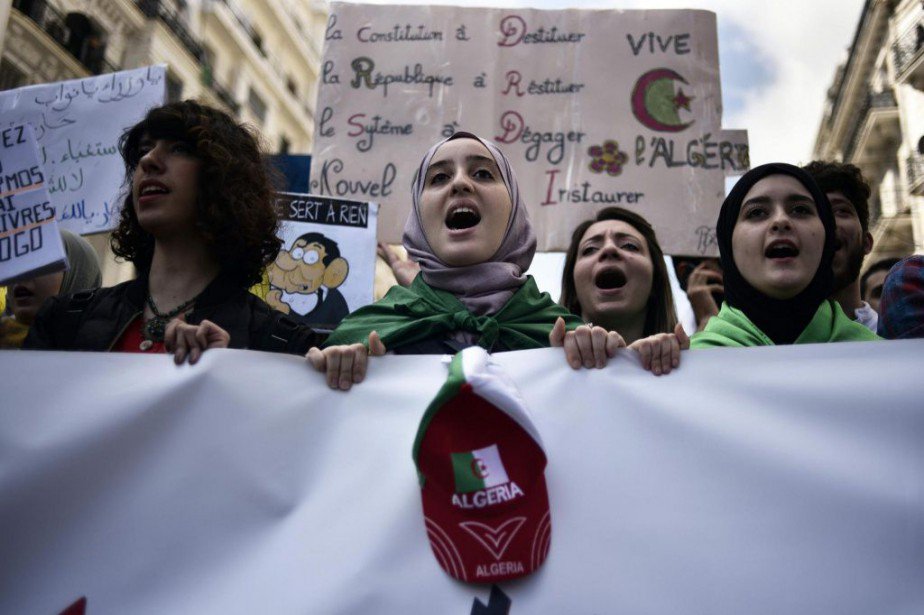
(594, 108)
(326, 267)
(30, 244)
(77, 125)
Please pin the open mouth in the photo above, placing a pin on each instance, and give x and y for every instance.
(610, 279)
(152, 188)
(781, 250)
(461, 218)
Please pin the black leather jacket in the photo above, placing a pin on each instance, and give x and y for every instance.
(95, 320)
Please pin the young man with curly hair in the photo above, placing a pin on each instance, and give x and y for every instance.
(199, 224)
(849, 194)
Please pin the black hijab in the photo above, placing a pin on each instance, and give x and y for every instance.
(782, 320)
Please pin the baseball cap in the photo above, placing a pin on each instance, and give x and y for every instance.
(481, 466)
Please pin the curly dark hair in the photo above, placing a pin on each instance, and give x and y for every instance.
(846, 179)
(236, 213)
(660, 316)
(331, 249)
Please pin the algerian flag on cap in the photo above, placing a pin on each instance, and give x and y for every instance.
(481, 467)
(478, 470)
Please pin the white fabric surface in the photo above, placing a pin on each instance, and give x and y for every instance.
(759, 481)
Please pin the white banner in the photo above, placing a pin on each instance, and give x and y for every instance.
(30, 243)
(758, 481)
(594, 108)
(326, 267)
(78, 124)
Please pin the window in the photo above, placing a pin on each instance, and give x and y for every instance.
(208, 66)
(33, 9)
(257, 106)
(257, 41)
(10, 76)
(86, 41)
(174, 89)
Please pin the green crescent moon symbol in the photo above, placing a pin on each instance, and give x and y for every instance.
(653, 100)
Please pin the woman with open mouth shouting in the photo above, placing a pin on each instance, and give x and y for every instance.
(776, 236)
(470, 234)
(615, 277)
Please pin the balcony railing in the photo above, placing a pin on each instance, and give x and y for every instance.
(907, 49)
(916, 174)
(54, 24)
(225, 96)
(269, 61)
(873, 101)
(155, 9)
(245, 24)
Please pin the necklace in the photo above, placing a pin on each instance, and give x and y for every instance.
(154, 329)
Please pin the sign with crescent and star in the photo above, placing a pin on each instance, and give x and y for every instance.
(594, 108)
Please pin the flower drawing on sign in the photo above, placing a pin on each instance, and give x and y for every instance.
(607, 158)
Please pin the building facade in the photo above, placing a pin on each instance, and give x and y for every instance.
(874, 118)
(256, 59)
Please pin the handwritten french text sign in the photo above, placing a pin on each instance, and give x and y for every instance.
(594, 108)
(326, 267)
(78, 124)
(30, 243)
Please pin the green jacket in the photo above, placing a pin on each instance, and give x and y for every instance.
(732, 328)
(420, 312)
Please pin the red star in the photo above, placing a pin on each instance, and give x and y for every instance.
(682, 100)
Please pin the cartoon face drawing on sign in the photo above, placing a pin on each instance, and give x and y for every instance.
(299, 276)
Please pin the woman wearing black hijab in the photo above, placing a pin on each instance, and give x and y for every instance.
(776, 236)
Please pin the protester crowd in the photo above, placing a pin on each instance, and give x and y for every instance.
(199, 224)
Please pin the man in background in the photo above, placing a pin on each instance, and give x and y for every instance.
(849, 195)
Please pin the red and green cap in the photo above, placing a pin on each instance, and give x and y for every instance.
(481, 466)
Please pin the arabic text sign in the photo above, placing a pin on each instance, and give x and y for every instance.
(77, 125)
(594, 109)
(758, 481)
(30, 243)
(326, 267)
